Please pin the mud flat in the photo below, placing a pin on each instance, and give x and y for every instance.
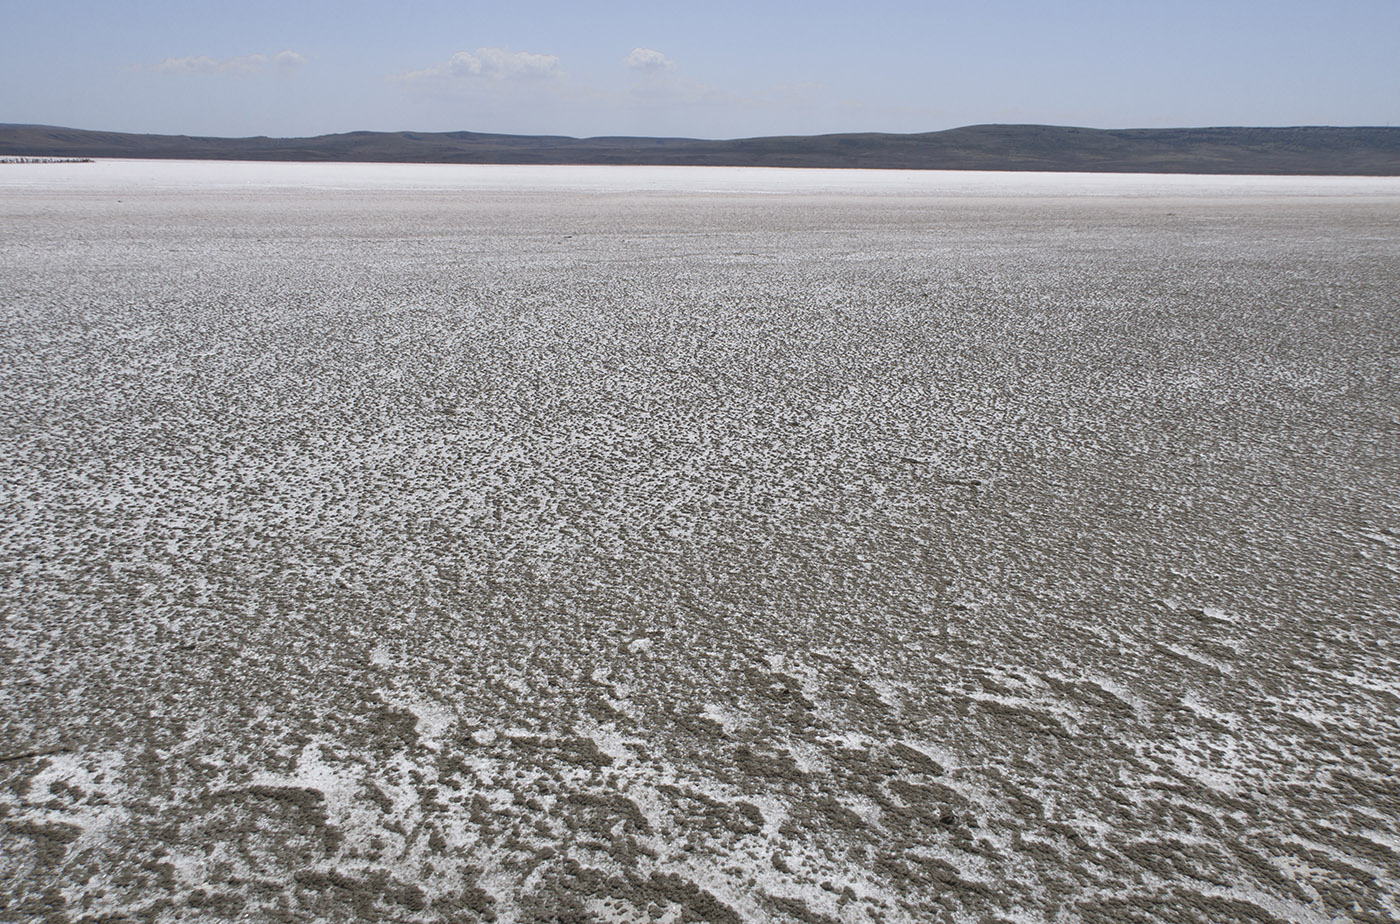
(530, 544)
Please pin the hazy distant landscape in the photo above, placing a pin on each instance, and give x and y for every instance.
(1307, 150)
(453, 543)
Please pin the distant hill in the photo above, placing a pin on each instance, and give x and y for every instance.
(1312, 150)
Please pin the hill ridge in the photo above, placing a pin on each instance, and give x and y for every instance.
(1304, 150)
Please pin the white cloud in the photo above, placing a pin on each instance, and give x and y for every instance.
(243, 65)
(288, 60)
(490, 64)
(648, 60)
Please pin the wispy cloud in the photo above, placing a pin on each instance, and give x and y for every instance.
(648, 60)
(242, 66)
(498, 89)
(489, 64)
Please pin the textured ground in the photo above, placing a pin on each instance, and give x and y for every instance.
(909, 550)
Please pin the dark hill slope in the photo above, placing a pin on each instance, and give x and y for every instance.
(1305, 150)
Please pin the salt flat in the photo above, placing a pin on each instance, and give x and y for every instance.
(191, 176)
(685, 544)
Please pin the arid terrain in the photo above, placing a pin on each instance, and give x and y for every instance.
(442, 544)
(1316, 150)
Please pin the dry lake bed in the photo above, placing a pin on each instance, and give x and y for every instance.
(442, 544)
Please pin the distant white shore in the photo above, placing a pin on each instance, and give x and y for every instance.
(117, 175)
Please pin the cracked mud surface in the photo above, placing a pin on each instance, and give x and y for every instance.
(804, 554)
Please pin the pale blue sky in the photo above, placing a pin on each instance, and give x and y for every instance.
(720, 69)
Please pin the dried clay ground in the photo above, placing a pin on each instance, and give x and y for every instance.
(449, 544)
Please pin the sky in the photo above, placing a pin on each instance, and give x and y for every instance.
(720, 69)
